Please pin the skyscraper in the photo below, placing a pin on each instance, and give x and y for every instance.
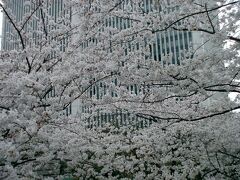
(167, 47)
(32, 17)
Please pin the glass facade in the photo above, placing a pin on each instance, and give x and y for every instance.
(37, 27)
(20, 10)
(167, 47)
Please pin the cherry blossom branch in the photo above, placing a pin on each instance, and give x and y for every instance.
(19, 34)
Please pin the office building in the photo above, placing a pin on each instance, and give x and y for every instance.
(20, 10)
(167, 47)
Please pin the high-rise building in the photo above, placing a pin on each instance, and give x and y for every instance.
(167, 47)
(9, 37)
(40, 13)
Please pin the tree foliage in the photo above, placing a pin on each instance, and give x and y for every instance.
(105, 46)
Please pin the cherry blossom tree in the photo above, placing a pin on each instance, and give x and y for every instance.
(96, 54)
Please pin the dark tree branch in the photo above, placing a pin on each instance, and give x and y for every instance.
(234, 39)
(5, 108)
(228, 154)
(19, 34)
(194, 14)
(179, 119)
(15, 164)
(86, 89)
(30, 16)
(210, 20)
(43, 22)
